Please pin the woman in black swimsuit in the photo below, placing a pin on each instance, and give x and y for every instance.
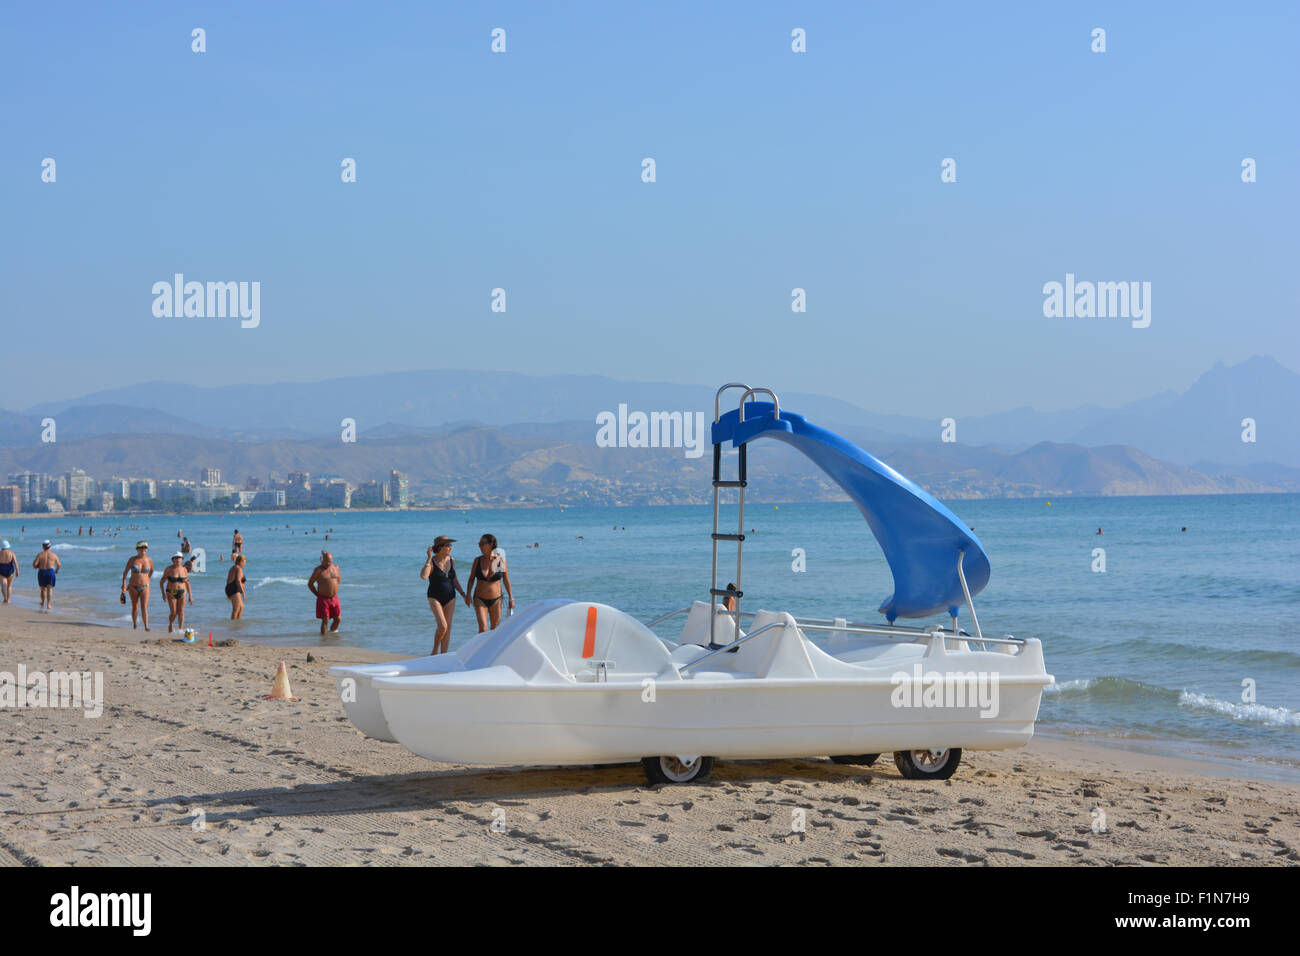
(440, 571)
(235, 582)
(176, 588)
(485, 588)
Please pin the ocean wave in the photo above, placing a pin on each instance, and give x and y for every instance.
(1121, 690)
(1257, 656)
(64, 546)
(300, 582)
(1249, 713)
(1118, 689)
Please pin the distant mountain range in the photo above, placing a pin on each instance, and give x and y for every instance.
(504, 434)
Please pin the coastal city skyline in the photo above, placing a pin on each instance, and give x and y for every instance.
(76, 491)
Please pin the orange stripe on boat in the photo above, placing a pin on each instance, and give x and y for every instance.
(589, 642)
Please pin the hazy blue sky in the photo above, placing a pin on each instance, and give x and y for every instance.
(522, 170)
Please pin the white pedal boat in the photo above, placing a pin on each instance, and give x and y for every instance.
(575, 682)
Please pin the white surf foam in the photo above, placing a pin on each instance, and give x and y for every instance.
(1251, 713)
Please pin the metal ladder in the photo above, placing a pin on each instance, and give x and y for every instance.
(739, 483)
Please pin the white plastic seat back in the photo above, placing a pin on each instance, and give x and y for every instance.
(776, 653)
(579, 635)
(696, 628)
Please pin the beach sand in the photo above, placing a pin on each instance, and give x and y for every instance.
(188, 764)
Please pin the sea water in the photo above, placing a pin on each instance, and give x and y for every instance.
(1188, 641)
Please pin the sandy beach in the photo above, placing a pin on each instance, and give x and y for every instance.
(189, 764)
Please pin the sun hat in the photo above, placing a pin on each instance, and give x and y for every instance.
(178, 555)
(141, 544)
(4, 543)
(441, 540)
(45, 543)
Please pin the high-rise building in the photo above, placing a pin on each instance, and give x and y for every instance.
(172, 489)
(106, 501)
(297, 491)
(120, 487)
(269, 499)
(370, 494)
(80, 487)
(205, 494)
(33, 486)
(399, 489)
(143, 489)
(209, 476)
(336, 493)
(11, 499)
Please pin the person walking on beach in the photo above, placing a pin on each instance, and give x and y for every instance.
(324, 583)
(176, 588)
(440, 571)
(137, 576)
(185, 546)
(47, 565)
(485, 577)
(8, 571)
(235, 582)
(236, 544)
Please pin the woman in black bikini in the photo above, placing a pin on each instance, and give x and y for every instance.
(235, 582)
(176, 588)
(440, 571)
(136, 577)
(485, 588)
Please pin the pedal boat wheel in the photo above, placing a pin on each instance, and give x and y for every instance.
(677, 769)
(927, 764)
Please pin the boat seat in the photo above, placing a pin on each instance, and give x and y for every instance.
(777, 653)
(625, 643)
(696, 628)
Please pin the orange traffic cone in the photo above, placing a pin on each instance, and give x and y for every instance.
(280, 689)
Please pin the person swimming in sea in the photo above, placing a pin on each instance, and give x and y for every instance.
(486, 576)
(136, 577)
(440, 571)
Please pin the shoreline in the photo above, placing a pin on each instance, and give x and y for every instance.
(1130, 752)
(186, 728)
(541, 506)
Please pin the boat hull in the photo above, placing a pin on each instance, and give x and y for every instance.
(738, 719)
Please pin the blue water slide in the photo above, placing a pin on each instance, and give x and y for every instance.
(920, 537)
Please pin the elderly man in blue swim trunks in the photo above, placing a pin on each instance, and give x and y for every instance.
(47, 565)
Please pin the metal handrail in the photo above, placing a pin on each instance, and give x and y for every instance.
(728, 647)
(717, 398)
(664, 617)
(892, 631)
(776, 402)
(933, 633)
(961, 556)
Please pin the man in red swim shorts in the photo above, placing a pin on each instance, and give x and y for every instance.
(324, 583)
